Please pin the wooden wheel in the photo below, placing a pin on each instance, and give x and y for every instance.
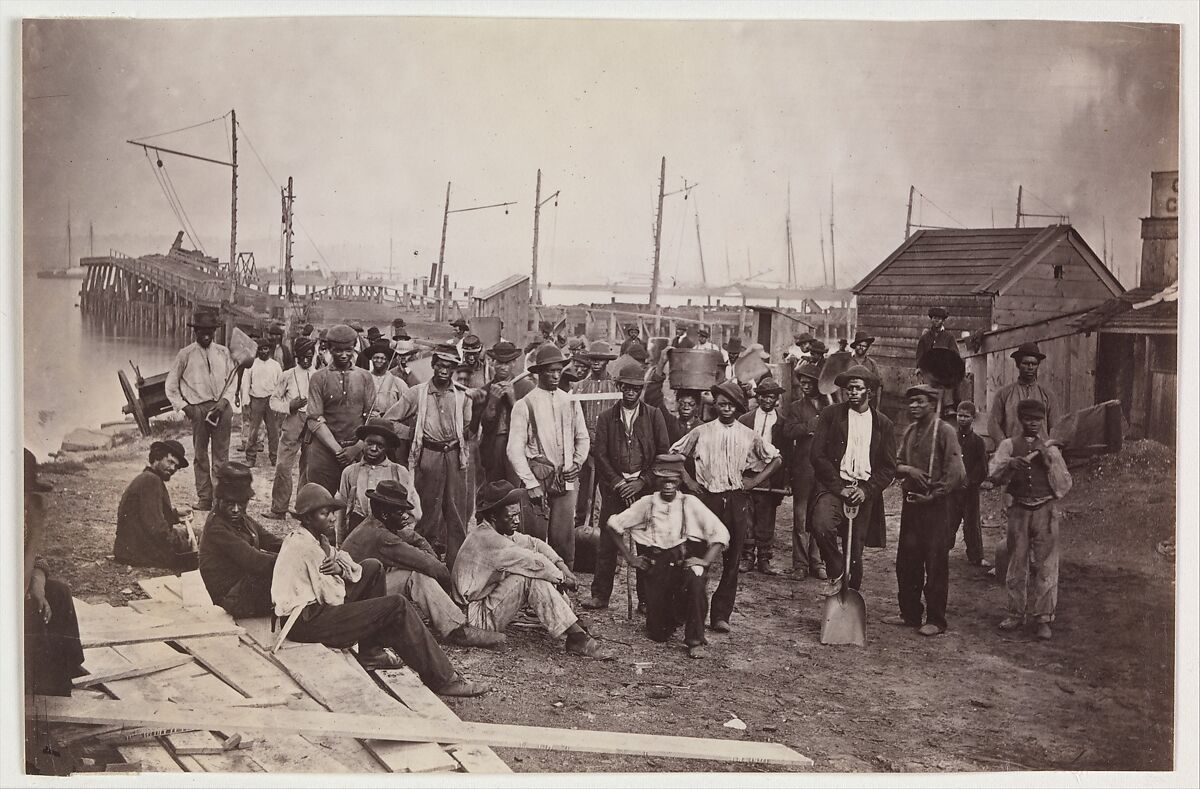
(133, 404)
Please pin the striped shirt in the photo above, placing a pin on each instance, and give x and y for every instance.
(724, 453)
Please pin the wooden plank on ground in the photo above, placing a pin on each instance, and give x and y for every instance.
(411, 729)
(193, 591)
(151, 758)
(171, 632)
(339, 684)
(175, 611)
(132, 671)
(408, 687)
(158, 590)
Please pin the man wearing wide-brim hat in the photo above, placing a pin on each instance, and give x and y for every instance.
(413, 569)
(440, 414)
(861, 346)
(854, 460)
(678, 539)
(379, 440)
(1003, 420)
(200, 383)
(388, 387)
(548, 442)
(501, 571)
(237, 555)
(731, 459)
(802, 415)
(771, 422)
(497, 409)
(150, 532)
(797, 352)
(595, 394)
(629, 435)
(339, 401)
(404, 350)
(936, 335)
(330, 599)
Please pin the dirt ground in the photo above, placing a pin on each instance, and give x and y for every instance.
(1098, 696)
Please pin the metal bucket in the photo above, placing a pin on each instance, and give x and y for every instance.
(694, 369)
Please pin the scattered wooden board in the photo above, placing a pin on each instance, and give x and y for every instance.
(172, 632)
(158, 590)
(405, 685)
(193, 591)
(132, 671)
(339, 684)
(68, 710)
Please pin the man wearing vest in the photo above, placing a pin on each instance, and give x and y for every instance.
(596, 395)
(629, 435)
(339, 397)
(1036, 474)
(930, 463)
(439, 456)
(547, 444)
(803, 414)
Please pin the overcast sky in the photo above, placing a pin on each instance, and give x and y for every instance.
(372, 117)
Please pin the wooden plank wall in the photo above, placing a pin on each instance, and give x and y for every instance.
(1068, 370)
(1038, 294)
(511, 306)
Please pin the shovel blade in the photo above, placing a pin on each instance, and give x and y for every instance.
(845, 620)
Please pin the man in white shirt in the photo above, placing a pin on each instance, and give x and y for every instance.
(773, 426)
(290, 402)
(799, 350)
(547, 444)
(262, 379)
(331, 599)
(199, 384)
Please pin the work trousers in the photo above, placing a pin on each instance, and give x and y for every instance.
(923, 562)
(429, 598)
(245, 429)
(587, 491)
(372, 618)
(515, 592)
(963, 507)
(251, 596)
(555, 524)
(763, 507)
(1032, 580)
(606, 547)
(493, 456)
(53, 653)
(204, 435)
(293, 443)
(806, 556)
(260, 412)
(675, 595)
(442, 485)
(829, 528)
(733, 508)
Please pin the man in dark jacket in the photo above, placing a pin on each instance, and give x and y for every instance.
(237, 555)
(802, 417)
(964, 502)
(150, 532)
(854, 459)
(629, 435)
(771, 423)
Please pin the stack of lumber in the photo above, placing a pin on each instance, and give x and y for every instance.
(174, 684)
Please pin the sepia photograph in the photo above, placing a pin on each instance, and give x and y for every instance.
(591, 394)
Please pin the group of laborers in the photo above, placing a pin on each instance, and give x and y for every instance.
(393, 472)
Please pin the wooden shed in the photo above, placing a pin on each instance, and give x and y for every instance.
(774, 329)
(988, 280)
(507, 300)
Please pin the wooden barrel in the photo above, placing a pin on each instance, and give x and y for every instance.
(694, 369)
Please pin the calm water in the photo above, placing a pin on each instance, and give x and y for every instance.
(71, 374)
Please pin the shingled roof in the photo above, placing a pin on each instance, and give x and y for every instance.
(972, 262)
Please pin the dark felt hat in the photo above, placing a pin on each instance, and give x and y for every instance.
(546, 354)
(459, 323)
(341, 334)
(235, 482)
(668, 465)
(769, 385)
(303, 345)
(808, 370)
(314, 497)
(938, 312)
(378, 347)
(398, 323)
(861, 337)
(599, 350)
(1031, 408)
(631, 373)
(1027, 349)
(731, 390)
(504, 351)
(818, 347)
(378, 426)
(174, 447)
(803, 337)
(392, 493)
(447, 352)
(205, 319)
(734, 346)
(857, 371)
(472, 343)
(925, 390)
(373, 334)
(495, 494)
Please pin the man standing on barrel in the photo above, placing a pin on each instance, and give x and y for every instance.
(199, 384)
(854, 459)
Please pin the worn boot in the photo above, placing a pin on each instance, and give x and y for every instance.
(467, 636)
(461, 687)
(764, 566)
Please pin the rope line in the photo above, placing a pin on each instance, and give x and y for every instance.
(194, 235)
(185, 128)
(158, 178)
(939, 208)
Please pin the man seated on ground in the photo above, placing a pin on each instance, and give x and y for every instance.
(361, 477)
(500, 571)
(150, 532)
(678, 539)
(413, 569)
(331, 599)
(237, 554)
